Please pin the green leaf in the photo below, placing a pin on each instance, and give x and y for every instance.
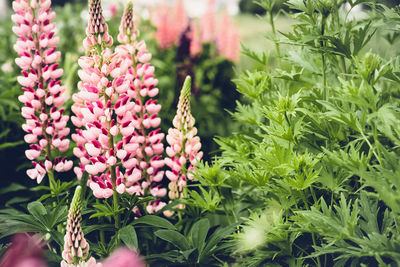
(199, 233)
(129, 237)
(215, 238)
(154, 221)
(175, 238)
(37, 209)
(11, 144)
(12, 188)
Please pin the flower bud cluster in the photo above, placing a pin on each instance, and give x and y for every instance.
(97, 31)
(43, 93)
(184, 146)
(76, 249)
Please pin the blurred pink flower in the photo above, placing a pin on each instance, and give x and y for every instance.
(208, 23)
(25, 251)
(123, 257)
(228, 38)
(113, 9)
(170, 23)
(196, 45)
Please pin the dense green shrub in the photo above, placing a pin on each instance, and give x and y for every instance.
(314, 168)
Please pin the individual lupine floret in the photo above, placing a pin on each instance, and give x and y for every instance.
(76, 249)
(43, 93)
(184, 146)
(141, 141)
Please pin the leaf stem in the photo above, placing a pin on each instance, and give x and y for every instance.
(271, 21)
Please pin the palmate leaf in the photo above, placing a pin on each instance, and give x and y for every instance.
(40, 219)
(352, 231)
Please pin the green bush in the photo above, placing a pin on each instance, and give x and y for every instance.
(314, 170)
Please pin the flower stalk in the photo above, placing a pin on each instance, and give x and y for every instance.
(43, 93)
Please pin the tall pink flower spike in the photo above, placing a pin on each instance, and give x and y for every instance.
(184, 146)
(228, 38)
(43, 93)
(141, 146)
(102, 81)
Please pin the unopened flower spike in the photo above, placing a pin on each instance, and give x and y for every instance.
(127, 29)
(184, 146)
(76, 249)
(97, 30)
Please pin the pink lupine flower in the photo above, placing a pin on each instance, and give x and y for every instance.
(43, 93)
(141, 147)
(76, 249)
(228, 39)
(184, 146)
(102, 77)
(114, 103)
(208, 23)
(123, 257)
(25, 251)
(170, 23)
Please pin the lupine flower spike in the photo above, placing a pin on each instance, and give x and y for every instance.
(102, 80)
(76, 249)
(43, 93)
(184, 146)
(141, 146)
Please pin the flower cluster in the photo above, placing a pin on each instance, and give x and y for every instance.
(144, 141)
(117, 145)
(76, 249)
(184, 146)
(43, 93)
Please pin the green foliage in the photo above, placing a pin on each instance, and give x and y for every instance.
(195, 247)
(314, 168)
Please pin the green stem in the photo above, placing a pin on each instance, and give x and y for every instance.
(116, 207)
(326, 93)
(312, 234)
(271, 21)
